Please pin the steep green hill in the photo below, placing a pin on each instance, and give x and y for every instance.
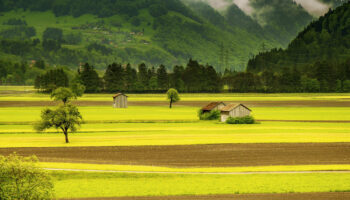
(101, 32)
(282, 19)
(70, 32)
(327, 39)
(334, 3)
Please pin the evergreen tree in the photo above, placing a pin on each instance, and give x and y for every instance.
(114, 78)
(90, 79)
(213, 80)
(191, 77)
(130, 78)
(176, 78)
(162, 78)
(143, 76)
(52, 80)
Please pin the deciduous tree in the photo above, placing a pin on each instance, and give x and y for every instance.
(63, 94)
(66, 118)
(21, 178)
(173, 96)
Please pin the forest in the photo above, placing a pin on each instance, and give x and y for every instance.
(326, 39)
(195, 77)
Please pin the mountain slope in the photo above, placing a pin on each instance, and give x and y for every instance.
(282, 19)
(150, 31)
(104, 31)
(326, 39)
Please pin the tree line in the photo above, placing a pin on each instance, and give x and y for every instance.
(322, 76)
(101, 8)
(194, 77)
(124, 78)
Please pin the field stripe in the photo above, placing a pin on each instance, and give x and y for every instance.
(178, 121)
(290, 196)
(305, 121)
(203, 173)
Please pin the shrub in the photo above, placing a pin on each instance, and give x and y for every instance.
(21, 178)
(212, 115)
(241, 120)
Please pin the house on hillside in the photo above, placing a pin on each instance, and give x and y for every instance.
(234, 110)
(120, 100)
(213, 106)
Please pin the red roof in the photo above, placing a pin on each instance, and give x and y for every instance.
(212, 105)
(233, 106)
(117, 95)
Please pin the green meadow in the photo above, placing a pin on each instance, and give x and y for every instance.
(159, 125)
(132, 134)
(205, 97)
(105, 114)
(193, 170)
(78, 184)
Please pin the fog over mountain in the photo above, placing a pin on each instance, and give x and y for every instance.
(313, 7)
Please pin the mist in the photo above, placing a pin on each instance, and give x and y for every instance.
(314, 7)
(244, 5)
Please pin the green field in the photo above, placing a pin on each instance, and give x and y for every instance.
(184, 97)
(126, 134)
(159, 125)
(103, 114)
(73, 184)
(156, 169)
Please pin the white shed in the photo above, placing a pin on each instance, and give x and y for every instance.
(120, 101)
(234, 110)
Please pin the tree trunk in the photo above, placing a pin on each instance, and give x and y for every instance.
(171, 103)
(66, 136)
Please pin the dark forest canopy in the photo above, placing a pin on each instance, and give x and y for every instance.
(123, 78)
(326, 39)
(195, 77)
(101, 8)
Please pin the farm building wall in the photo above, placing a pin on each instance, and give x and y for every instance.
(224, 116)
(120, 101)
(239, 111)
(221, 105)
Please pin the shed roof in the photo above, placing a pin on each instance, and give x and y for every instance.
(212, 105)
(119, 94)
(233, 106)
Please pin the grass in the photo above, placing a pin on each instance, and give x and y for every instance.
(16, 88)
(78, 184)
(106, 114)
(137, 168)
(180, 126)
(302, 113)
(126, 134)
(185, 97)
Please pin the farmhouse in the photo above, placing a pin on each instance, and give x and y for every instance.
(234, 110)
(213, 106)
(120, 101)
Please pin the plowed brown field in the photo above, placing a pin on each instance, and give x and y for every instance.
(216, 155)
